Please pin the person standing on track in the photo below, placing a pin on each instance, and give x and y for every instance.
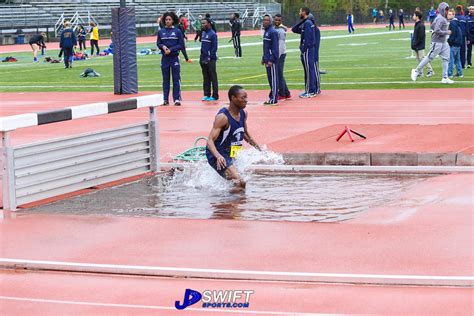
(401, 20)
(418, 41)
(317, 42)
(81, 37)
(213, 23)
(463, 24)
(170, 41)
(391, 20)
(439, 45)
(283, 92)
(67, 43)
(227, 135)
(36, 43)
(208, 60)
(307, 49)
(236, 26)
(350, 22)
(270, 58)
(197, 24)
(469, 35)
(94, 31)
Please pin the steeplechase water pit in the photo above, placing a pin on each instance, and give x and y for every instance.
(196, 191)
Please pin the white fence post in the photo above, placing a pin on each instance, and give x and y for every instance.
(154, 141)
(8, 176)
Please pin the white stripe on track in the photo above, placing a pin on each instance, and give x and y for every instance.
(155, 307)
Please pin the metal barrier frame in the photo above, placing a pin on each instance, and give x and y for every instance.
(11, 123)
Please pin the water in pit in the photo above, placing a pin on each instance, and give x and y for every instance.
(198, 192)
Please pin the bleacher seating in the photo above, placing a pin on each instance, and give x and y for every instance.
(46, 13)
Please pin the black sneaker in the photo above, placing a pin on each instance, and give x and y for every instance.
(165, 103)
(177, 103)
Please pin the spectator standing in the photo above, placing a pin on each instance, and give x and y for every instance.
(439, 45)
(283, 92)
(81, 37)
(36, 42)
(391, 20)
(418, 41)
(94, 32)
(183, 26)
(374, 15)
(208, 60)
(454, 41)
(317, 41)
(401, 20)
(184, 23)
(67, 43)
(381, 16)
(307, 49)
(197, 24)
(270, 58)
(236, 26)
(350, 22)
(431, 15)
(213, 23)
(463, 25)
(170, 41)
(469, 35)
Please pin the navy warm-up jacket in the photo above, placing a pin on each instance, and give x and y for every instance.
(209, 45)
(270, 45)
(68, 39)
(306, 29)
(172, 38)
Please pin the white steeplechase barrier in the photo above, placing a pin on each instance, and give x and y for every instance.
(50, 168)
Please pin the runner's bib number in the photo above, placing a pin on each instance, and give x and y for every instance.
(234, 150)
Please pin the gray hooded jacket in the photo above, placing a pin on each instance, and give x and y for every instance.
(440, 25)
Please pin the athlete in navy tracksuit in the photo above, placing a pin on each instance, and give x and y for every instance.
(463, 25)
(469, 35)
(317, 42)
(170, 41)
(67, 43)
(270, 58)
(207, 60)
(307, 48)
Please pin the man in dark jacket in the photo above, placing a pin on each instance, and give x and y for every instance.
(67, 43)
(208, 60)
(463, 25)
(235, 27)
(270, 58)
(307, 49)
(454, 41)
(418, 41)
(469, 35)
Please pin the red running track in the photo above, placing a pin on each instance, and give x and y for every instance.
(428, 233)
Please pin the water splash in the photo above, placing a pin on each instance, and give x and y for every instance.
(201, 176)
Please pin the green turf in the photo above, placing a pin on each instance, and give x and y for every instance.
(370, 62)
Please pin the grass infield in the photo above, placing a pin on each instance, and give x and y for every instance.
(370, 59)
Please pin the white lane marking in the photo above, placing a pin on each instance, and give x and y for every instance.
(3, 88)
(63, 265)
(237, 311)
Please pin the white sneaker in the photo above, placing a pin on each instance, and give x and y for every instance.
(414, 74)
(447, 81)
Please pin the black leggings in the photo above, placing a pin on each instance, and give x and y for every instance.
(82, 44)
(96, 44)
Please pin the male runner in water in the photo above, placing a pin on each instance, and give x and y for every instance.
(226, 137)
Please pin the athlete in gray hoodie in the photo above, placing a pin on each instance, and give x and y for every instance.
(439, 45)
